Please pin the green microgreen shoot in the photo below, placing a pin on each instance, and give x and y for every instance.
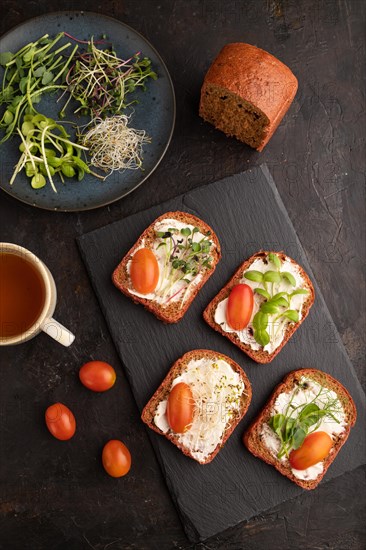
(260, 323)
(47, 150)
(272, 257)
(276, 306)
(35, 69)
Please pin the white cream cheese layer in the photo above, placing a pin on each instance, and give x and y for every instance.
(217, 390)
(276, 329)
(302, 396)
(162, 294)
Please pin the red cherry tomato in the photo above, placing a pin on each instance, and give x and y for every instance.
(316, 447)
(239, 306)
(97, 375)
(144, 271)
(60, 421)
(116, 458)
(180, 408)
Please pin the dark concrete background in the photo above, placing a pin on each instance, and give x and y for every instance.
(57, 496)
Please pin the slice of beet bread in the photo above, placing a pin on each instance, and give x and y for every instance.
(260, 356)
(252, 437)
(165, 387)
(173, 311)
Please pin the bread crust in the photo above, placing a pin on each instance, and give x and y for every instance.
(252, 439)
(254, 75)
(164, 389)
(171, 313)
(259, 356)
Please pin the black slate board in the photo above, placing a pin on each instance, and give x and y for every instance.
(247, 214)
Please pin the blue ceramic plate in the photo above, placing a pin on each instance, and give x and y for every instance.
(154, 113)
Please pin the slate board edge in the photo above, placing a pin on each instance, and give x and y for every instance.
(308, 268)
(189, 527)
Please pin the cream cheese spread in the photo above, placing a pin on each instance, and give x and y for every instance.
(276, 329)
(164, 292)
(301, 396)
(217, 390)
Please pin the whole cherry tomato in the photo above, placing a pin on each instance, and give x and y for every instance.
(316, 447)
(97, 375)
(239, 306)
(116, 458)
(144, 271)
(180, 408)
(60, 421)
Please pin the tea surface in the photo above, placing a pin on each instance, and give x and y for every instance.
(22, 294)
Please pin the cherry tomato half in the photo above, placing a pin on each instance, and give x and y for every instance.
(239, 306)
(144, 271)
(180, 408)
(116, 458)
(97, 375)
(60, 421)
(316, 447)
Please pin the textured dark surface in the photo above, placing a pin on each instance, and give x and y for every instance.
(56, 495)
(235, 486)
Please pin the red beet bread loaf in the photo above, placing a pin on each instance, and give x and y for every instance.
(246, 93)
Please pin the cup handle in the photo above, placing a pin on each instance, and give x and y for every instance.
(58, 332)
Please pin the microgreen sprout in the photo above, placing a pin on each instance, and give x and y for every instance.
(35, 69)
(46, 150)
(276, 305)
(100, 81)
(184, 259)
(113, 145)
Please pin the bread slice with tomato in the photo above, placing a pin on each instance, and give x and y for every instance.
(199, 403)
(303, 426)
(262, 305)
(169, 264)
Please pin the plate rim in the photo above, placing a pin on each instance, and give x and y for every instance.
(170, 81)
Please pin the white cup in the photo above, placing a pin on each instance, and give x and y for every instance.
(45, 321)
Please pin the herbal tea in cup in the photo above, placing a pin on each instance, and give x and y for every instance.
(27, 298)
